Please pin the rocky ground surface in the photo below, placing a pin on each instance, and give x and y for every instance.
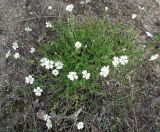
(15, 15)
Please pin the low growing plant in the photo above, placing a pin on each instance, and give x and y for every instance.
(88, 46)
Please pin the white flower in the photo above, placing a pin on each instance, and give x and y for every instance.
(49, 24)
(38, 91)
(59, 65)
(78, 44)
(50, 7)
(106, 8)
(134, 16)
(115, 61)
(15, 45)
(69, 7)
(8, 54)
(149, 34)
(72, 76)
(81, 2)
(32, 50)
(141, 8)
(16, 55)
(87, 1)
(46, 117)
(29, 79)
(154, 57)
(80, 125)
(123, 59)
(49, 64)
(49, 124)
(84, 2)
(104, 71)
(28, 29)
(43, 61)
(55, 72)
(86, 75)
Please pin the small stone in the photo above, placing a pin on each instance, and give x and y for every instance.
(158, 2)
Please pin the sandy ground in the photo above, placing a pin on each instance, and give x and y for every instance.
(15, 15)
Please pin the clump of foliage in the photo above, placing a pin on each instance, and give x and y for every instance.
(101, 41)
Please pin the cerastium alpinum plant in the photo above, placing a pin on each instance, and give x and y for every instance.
(82, 53)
